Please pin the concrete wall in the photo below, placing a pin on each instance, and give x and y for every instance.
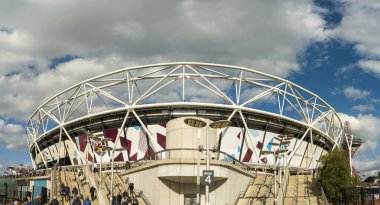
(168, 181)
(181, 135)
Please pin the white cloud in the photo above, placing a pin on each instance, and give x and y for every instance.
(136, 33)
(360, 25)
(240, 33)
(376, 100)
(364, 108)
(345, 68)
(368, 167)
(21, 94)
(355, 93)
(370, 66)
(12, 135)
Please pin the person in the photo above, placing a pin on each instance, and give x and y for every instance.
(87, 201)
(16, 202)
(135, 202)
(28, 201)
(113, 201)
(76, 201)
(62, 189)
(54, 201)
(92, 192)
(75, 192)
(125, 193)
(125, 200)
(131, 187)
(37, 201)
(118, 199)
(67, 193)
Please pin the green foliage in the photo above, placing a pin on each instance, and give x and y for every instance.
(335, 173)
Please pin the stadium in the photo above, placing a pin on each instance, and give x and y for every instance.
(163, 126)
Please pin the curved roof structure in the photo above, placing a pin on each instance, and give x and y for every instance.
(156, 93)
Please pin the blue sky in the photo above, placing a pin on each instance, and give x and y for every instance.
(331, 48)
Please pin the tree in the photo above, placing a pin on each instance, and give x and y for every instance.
(335, 173)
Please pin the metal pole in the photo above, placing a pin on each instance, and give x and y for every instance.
(100, 172)
(275, 182)
(198, 169)
(112, 179)
(6, 193)
(207, 163)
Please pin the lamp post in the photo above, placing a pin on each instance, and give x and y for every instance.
(112, 169)
(215, 125)
(197, 123)
(283, 141)
(6, 193)
(101, 150)
(193, 122)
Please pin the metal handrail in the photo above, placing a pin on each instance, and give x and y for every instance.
(142, 195)
(242, 193)
(283, 187)
(324, 197)
(159, 155)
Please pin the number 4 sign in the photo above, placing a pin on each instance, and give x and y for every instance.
(208, 177)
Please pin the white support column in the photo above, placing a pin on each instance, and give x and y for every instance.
(312, 149)
(59, 145)
(222, 130)
(30, 154)
(239, 90)
(154, 143)
(198, 169)
(207, 188)
(249, 136)
(183, 83)
(74, 144)
(297, 146)
(113, 150)
(39, 151)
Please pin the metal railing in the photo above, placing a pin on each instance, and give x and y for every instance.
(283, 187)
(167, 154)
(324, 197)
(242, 193)
(140, 193)
(28, 173)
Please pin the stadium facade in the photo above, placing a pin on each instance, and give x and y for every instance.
(139, 114)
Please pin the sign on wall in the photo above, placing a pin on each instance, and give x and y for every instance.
(208, 177)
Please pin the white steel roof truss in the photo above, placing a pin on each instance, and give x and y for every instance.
(142, 96)
(214, 86)
(67, 106)
(208, 88)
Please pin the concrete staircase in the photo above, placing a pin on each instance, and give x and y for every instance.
(119, 187)
(301, 190)
(82, 178)
(260, 191)
(73, 178)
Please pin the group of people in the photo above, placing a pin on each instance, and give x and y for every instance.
(125, 198)
(76, 201)
(66, 194)
(29, 201)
